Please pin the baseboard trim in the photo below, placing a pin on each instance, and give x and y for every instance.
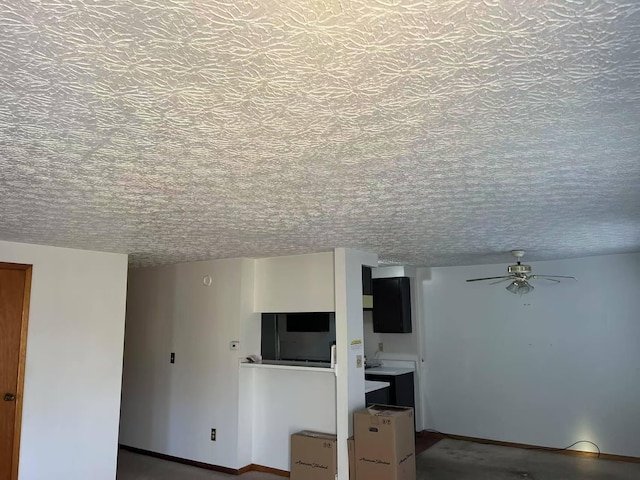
(206, 466)
(185, 461)
(273, 471)
(576, 453)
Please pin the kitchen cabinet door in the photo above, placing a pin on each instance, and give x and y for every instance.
(401, 391)
(392, 305)
(367, 286)
(379, 397)
(367, 289)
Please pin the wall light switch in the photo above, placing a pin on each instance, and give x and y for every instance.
(359, 361)
(234, 345)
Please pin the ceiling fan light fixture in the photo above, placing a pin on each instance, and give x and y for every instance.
(520, 287)
(519, 276)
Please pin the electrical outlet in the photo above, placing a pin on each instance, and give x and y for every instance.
(359, 361)
(213, 434)
(381, 347)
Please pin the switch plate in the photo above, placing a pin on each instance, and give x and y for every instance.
(173, 357)
(213, 434)
(381, 347)
(234, 345)
(359, 361)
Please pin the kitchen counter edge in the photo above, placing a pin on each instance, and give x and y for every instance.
(287, 367)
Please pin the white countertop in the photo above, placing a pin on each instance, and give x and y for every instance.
(287, 367)
(373, 385)
(391, 371)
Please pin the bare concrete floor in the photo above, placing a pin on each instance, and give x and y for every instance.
(447, 460)
(457, 460)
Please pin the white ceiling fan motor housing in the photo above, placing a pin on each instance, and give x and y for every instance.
(520, 269)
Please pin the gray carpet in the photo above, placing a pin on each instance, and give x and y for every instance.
(447, 460)
(457, 460)
(132, 466)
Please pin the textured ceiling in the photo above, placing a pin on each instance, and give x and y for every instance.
(435, 132)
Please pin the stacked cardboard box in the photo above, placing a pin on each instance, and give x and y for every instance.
(385, 443)
(352, 458)
(313, 456)
(383, 448)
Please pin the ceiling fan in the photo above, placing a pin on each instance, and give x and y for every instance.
(520, 275)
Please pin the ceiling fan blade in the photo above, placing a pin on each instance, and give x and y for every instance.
(488, 278)
(538, 277)
(553, 276)
(509, 278)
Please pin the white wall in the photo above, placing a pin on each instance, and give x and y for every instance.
(405, 347)
(285, 402)
(250, 345)
(74, 362)
(350, 386)
(549, 368)
(397, 346)
(171, 408)
(296, 283)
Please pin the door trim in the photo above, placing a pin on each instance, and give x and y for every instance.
(22, 357)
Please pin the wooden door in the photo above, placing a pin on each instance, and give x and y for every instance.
(15, 284)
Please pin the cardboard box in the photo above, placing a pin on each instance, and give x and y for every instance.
(352, 458)
(385, 443)
(313, 456)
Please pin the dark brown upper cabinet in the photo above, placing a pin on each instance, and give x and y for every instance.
(392, 305)
(367, 286)
(367, 289)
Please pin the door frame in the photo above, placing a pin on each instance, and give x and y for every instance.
(22, 357)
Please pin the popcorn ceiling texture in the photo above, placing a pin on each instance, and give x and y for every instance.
(430, 132)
